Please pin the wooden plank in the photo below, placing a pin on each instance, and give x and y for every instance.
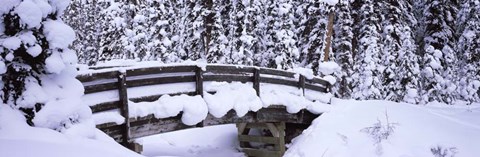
(158, 70)
(261, 153)
(105, 106)
(228, 78)
(260, 139)
(241, 127)
(155, 97)
(199, 81)
(273, 129)
(319, 81)
(256, 81)
(100, 87)
(160, 80)
(278, 81)
(122, 94)
(114, 131)
(276, 115)
(276, 72)
(221, 69)
(316, 88)
(97, 76)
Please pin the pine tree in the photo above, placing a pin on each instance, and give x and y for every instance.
(37, 67)
(439, 57)
(342, 46)
(367, 70)
(82, 16)
(112, 16)
(400, 76)
(469, 51)
(281, 46)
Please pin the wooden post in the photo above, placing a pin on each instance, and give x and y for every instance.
(256, 81)
(199, 87)
(329, 35)
(123, 100)
(301, 84)
(199, 81)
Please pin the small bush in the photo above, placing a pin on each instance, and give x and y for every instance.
(440, 151)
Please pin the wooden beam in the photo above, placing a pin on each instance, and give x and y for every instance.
(199, 81)
(122, 94)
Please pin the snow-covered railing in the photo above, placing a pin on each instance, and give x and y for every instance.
(121, 78)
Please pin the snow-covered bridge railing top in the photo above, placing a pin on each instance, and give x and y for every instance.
(129, 87)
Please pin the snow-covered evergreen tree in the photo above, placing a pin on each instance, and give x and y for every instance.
(282, 47)
(82, 17)
(367, 70)
(439, 57)
(313, 32)
(37, 67)
(342, 46)
(469, 51)
(113, 23)
(400, 76)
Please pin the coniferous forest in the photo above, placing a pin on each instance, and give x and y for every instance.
(414, 51)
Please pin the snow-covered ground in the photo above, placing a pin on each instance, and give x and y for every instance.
(347, 130)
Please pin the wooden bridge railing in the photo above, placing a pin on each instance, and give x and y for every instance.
(122, 79)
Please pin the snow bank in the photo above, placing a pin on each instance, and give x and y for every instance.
(417, 130)
(18, 139)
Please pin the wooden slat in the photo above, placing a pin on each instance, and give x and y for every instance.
(219, 69)
(161, 80)
(319, 81)
(260, 139)
(316, 88)
(228, 78)
(100, 87)
(97, 76)
(261, 153)
(278, 81)
(277, 72)
(157, 96)
(114, 131)
(105, 106)
(158, 70)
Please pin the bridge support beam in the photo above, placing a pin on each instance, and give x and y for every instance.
(261, 145)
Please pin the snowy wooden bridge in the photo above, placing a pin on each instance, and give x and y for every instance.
(274, 118)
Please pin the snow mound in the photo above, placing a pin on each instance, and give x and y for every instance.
(347, 131)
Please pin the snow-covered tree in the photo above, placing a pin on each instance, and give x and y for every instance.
(439, 57)
(342, 46)
(367, 70)
(281, 44)
(113, 44)
(469, 51)
(313, 30)
(37, 67)
(82, 17)
(400, 76)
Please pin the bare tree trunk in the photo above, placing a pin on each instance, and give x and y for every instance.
(331, 15)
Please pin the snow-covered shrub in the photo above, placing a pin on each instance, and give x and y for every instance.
(380, 131)
(37, 67)
(440, 151)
